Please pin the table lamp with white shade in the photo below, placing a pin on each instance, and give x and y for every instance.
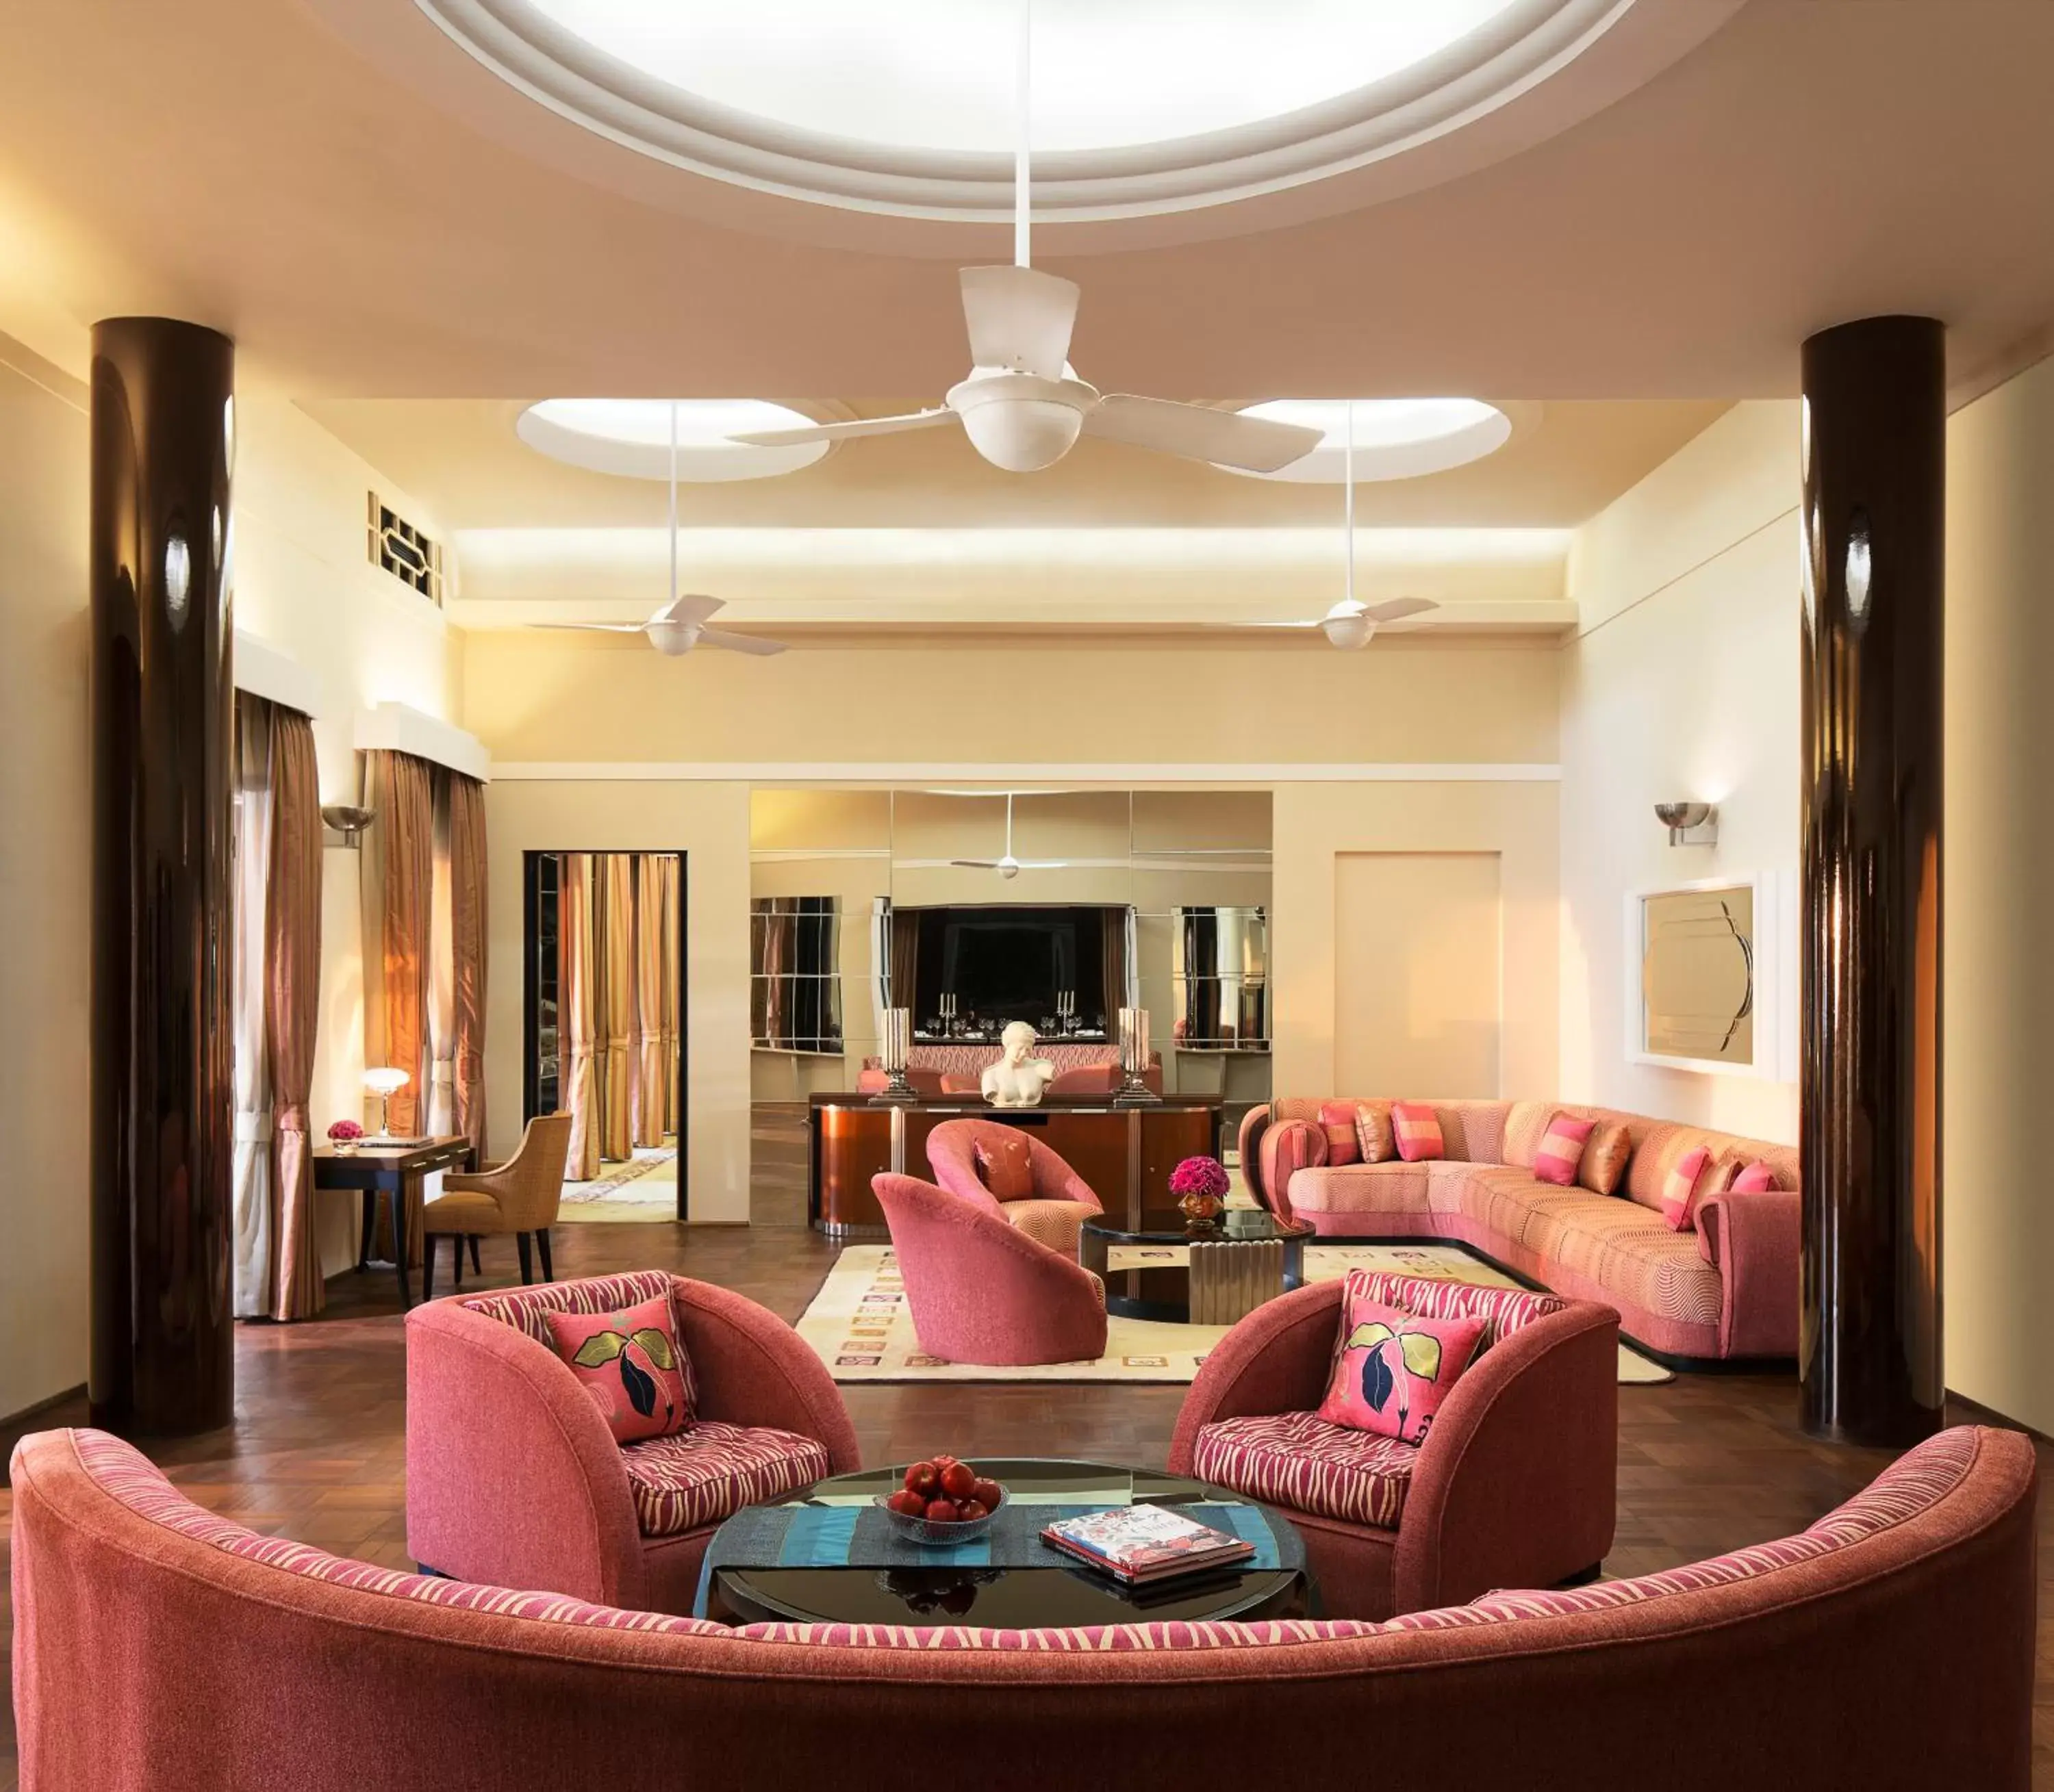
(385, 1081)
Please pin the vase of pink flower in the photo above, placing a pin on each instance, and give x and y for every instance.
(345, 1135)
(1200, 1185)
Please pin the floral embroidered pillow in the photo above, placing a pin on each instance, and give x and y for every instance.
(632, 1366)
(1393, 1369)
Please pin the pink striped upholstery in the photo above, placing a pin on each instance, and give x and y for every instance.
(1561, 1149)
(1679, 1188)
(1503, 1309)
(1902, 1492)
(1109, 1639)
(139, 1485)
(528, 1309)
(1300, 1460)
(1418, 1130)
(1337, 1122)
(1287, 1149)
(710, 1471)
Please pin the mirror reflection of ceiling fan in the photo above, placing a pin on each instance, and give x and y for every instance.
(681, 624)
(1350, 623)
(1022, 405)
(1009, 867)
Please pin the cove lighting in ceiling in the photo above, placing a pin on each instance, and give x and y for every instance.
(633, 437)
(1394, 438)
(1141, 107)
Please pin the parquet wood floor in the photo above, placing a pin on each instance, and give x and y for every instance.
(316, 1451)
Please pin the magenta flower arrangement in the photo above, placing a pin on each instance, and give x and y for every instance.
(1203, 1176)
(343, 1131)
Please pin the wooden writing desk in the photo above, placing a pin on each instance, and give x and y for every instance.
(396, 1172)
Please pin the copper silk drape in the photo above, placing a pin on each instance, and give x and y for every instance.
(1112, 961)
(650, 1107)
(616, 1005)
(577, 971)
(672, 867)
(399, 790)
(467, 916)
(292, 1010)
(905, 956)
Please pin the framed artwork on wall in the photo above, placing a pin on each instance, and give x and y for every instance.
(1706, 965)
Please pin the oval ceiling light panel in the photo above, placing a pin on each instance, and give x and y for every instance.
(631, 437)
(1148, 107)
(1394, 438)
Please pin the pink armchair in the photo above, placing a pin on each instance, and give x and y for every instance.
(1514, 1486)
(979, 1290)
(513, 1477)
(1054, 1215)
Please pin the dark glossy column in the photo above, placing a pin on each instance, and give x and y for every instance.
(1874, 501)
(162, 1094)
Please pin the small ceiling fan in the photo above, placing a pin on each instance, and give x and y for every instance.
(1351, 624)
(681, 624)
(1007, 866)
(1023, 406)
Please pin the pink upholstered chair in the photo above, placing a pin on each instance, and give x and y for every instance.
(1514, 1486)
(980, 1291)
(513, 1477)
(1062, 1201)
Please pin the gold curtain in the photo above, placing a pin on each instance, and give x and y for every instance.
(905, 956)
(576, 975)
(467, 914)
(292, 1011)
(616, 1023)
(399, 897)
(673, 866)
(651, 1106)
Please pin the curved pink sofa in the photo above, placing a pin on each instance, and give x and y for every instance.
(1516, 1485)
(1727, 1289)
(513, 1477)
(158, 1647)
(980, 1291)
(1062, 1199)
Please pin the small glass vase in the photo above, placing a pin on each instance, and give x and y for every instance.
(1201, 1210)
(345, 1147)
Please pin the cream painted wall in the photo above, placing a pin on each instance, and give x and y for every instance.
(1997, 1228)
(1682, 683)
(45, 732)
(709, 823)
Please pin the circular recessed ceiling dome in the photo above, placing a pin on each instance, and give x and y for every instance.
(632, 436)
(909, 107)
(1394, 438)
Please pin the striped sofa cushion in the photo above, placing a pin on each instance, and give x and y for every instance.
(528, 1309)
(711, 1470)
(1904, 1490)
(1108, 1639)
(1561, 1149)
(1301, 1461)
(1418, 1128)
(139, 1484)
(1286, 1149)
(1504, 1311)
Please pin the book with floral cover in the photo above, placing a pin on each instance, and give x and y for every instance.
(1139, 1544)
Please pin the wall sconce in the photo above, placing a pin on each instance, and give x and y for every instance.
(348, 821)
(1690, 824)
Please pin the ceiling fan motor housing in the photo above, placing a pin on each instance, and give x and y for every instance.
(1020, 421)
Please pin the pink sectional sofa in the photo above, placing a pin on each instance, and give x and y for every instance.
(161, 1647)
(1727, 1289)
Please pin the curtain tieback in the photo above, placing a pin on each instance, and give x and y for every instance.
(443, 1073)
(291, 1117)
(252, 1128)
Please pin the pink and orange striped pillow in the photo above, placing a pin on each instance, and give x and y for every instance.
(1681, 1192)
(1417, 1127)
(1337, 1122)
(1756, 1179)
(1561, 1149)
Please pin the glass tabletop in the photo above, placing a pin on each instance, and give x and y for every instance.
(1056, 1595)
(1165, 1225)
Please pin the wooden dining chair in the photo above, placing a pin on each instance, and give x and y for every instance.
(520, 1197)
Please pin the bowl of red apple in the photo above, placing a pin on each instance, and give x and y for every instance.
(941, 1500)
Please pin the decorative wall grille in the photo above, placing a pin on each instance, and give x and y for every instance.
(405, 552)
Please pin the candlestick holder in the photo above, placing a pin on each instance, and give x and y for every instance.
(891, 1050)
(1133, 1091)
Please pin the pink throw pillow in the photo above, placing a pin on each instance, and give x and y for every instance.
(1393, 1369)
(1337, 1122)
(1561, 1149)
(1679, 1189)
(1756, 1179)
(1006, 1166)
(1418, 1128)
(632, 1366)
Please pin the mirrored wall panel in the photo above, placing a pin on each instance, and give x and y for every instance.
(1221, 979)
(1697, 974)
(795, 973)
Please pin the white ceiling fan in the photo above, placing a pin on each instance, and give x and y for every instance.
(1023, 406)
(1007, 866)
(1350, 624)
(681, 624)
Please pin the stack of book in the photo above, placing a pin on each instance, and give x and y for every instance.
(1145, 1545)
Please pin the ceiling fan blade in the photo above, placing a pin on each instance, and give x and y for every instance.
(844, 432)
(1019, 318)
(1227, 438)
(692, 607)
(600, 628)
(975, 864)
(726, 637)
(1396, 609)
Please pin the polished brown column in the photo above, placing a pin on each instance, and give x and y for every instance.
(1873, 512)
(161, 1100)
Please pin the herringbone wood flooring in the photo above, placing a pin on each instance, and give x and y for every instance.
(318, 1451)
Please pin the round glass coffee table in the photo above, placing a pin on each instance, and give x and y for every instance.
(826, 1556)
(1209, 1275)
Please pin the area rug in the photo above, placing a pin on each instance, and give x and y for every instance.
(644, 1188)
(858, 1326)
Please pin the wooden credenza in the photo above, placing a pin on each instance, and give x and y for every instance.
(1125, 1153)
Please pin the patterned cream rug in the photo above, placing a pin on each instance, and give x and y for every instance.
(858, 1326)
(644, 1188)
